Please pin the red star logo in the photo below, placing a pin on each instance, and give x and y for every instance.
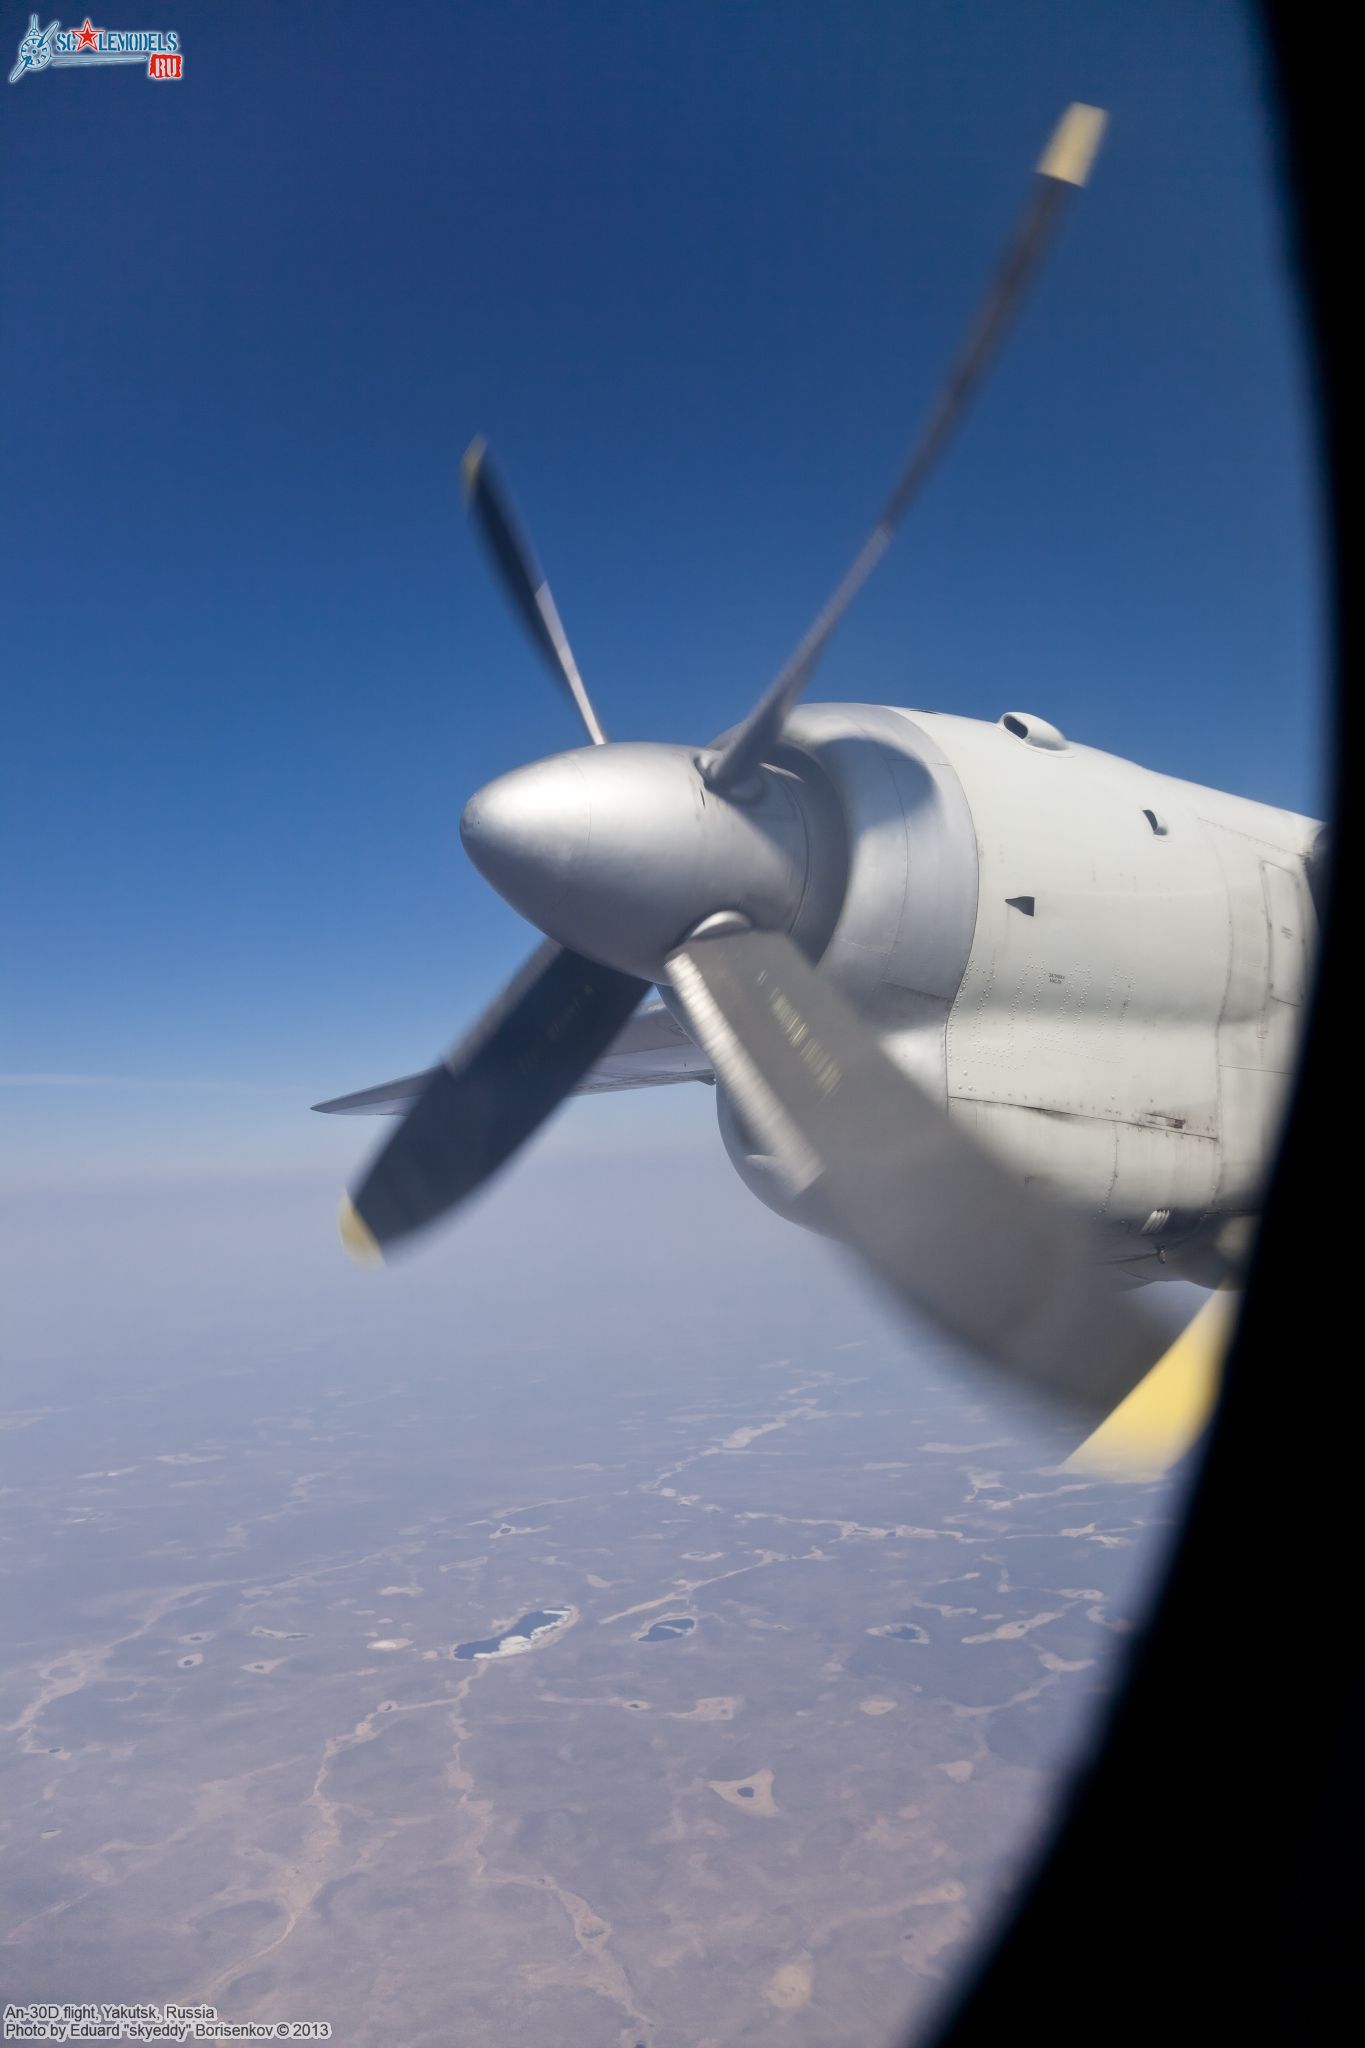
(86, 40)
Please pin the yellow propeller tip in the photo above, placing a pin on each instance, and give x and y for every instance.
(1168, 1411)
(471, 462)
(359, 1240)
(1074, 143)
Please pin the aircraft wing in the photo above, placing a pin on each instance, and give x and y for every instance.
(651, 1051)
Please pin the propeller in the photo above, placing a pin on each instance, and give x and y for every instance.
(943, 1226)
(645, 863)
(1063, 167)
(522, 580)
(484, 1100)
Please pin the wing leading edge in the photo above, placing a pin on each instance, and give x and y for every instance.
(652, 1051)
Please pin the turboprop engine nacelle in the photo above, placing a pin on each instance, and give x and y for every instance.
(1099, 970)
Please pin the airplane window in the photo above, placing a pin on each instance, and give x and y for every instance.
(658, 1590)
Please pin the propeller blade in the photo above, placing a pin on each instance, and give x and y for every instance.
(552, 1021)
(1007, 1271)
(1063, 167)
(523, 581)
(1167, 1413)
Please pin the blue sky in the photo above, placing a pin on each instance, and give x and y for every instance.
(695, 270)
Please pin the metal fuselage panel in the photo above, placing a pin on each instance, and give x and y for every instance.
(1099, 969)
